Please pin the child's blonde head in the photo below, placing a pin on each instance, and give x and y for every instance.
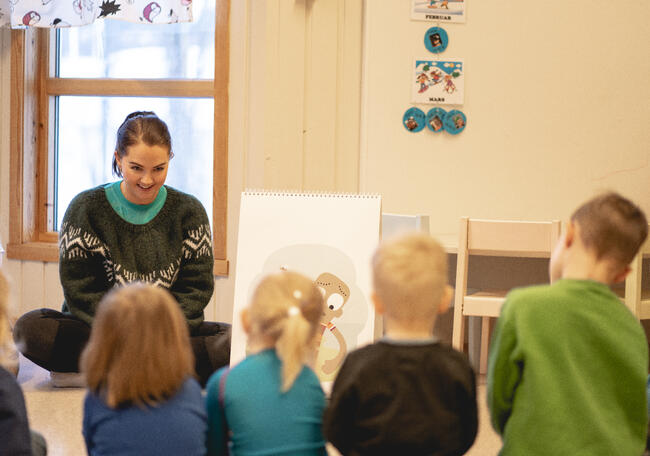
(139, 349)
(410, 277)
(612, 227)
(285, 311)
(6, 344)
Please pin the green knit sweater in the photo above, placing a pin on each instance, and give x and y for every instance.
(99, 250)
(567, 373)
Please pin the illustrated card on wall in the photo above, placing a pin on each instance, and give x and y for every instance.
(329, 238)
(438, 10)
(438, 81)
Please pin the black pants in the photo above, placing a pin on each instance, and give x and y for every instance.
(54, 341)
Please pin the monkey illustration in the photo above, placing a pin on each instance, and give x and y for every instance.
(331, 285)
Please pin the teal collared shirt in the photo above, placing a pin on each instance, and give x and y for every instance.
(138, 214)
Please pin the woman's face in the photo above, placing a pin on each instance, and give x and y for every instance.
(144, 170)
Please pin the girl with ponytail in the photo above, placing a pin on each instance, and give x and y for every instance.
(272, 400)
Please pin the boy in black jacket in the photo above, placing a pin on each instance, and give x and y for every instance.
(407, 393)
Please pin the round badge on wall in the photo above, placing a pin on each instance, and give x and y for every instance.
(414, 120)
(455, 121)
(435, 119)
(436, 39)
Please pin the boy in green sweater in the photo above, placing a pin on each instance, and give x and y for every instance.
(568, 362)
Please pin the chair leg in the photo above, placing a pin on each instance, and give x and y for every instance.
(485, 342)
(458, 329)
(474, 341)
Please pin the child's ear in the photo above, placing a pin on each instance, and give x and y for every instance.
(379, 305)
(620, 277)
(245, 321)
(445, 301)
(570, 234)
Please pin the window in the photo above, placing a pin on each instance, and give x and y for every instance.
(71, 89)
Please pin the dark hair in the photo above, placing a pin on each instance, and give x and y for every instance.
(141, 126)
(612, 226)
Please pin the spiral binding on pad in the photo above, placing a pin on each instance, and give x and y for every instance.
(295, 193)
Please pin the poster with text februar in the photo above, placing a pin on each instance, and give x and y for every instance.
(438, 10)
(438, 82)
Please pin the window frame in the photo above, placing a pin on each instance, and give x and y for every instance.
(33, 91)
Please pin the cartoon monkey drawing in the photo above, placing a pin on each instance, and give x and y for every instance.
(332, 285)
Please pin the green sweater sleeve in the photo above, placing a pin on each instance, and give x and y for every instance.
(505, 367)
(82, 257)
(82, 291)
(194, 284)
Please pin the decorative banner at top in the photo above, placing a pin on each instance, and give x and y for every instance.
(72, 13)
(438, 10)
(438, 81)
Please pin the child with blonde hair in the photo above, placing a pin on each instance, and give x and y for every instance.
(407, 393)
(143, 398)
(272, 402)
(15, 436)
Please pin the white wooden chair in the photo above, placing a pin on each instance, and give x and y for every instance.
(636, 298)
(493, 238)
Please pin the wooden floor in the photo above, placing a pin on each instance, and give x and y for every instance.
(57, 413)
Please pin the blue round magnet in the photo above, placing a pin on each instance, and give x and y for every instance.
(455, 121)
(414, 120)
(435, 119)
(436, 39)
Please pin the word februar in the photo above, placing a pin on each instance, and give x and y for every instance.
(438, 17)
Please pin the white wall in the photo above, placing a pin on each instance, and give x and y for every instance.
(295, 88)
(557, 100)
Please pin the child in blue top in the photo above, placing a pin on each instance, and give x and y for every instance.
(143, 398)
(271, 402)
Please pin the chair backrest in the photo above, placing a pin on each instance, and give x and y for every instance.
(497, 238)
(633, 286)
(510, 238)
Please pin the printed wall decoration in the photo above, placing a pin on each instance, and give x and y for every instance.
(436, 40)
(435, 119)
(438, 10)
(73, 13)
(455, 121)
(414, 120)
(438, 82)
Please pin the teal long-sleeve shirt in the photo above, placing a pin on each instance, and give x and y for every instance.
(567, 372)
(261, 419)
